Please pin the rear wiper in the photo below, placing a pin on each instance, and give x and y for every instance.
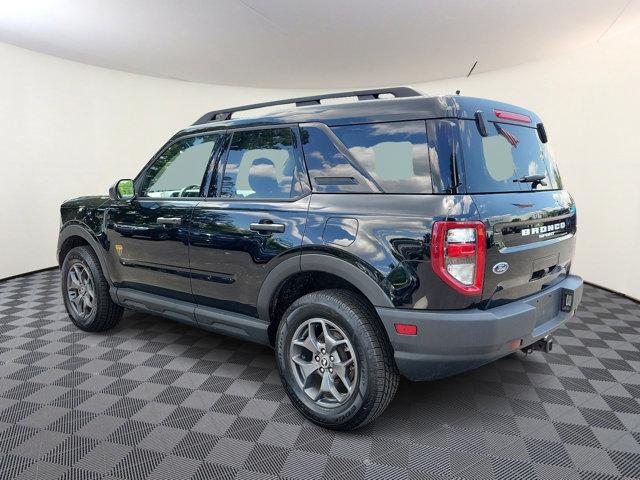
(534, 180)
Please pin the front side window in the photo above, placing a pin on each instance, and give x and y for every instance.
(506, 159)
(180, 169)
(262, 164)
(395, 154)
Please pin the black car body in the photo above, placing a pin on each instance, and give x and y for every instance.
(466, 181)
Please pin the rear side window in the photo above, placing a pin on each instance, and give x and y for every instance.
(394, 154)
(262, 164)
(501, 161)
(331, 169)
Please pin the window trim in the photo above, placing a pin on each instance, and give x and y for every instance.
(139, 179)
(221, 162)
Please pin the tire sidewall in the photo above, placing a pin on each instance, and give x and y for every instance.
(322, 306)
(78, 255)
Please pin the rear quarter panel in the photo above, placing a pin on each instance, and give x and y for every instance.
(391, 242)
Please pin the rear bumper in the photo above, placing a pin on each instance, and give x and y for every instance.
(452, 341)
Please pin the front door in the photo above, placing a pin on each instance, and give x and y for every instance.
(254, 221)
(148, 235)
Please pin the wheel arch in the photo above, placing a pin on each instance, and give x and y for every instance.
(337, 270)
(74, 235)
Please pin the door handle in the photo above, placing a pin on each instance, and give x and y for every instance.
(267, 227)
(169, 220)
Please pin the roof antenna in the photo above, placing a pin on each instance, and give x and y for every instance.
(474, 66)
(457, 92)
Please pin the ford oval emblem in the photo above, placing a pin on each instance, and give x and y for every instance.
(500, 268)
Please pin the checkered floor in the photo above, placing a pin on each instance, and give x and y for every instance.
(156, 399)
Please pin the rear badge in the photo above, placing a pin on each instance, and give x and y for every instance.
(500, 268)
(544, 231)
(119, 249)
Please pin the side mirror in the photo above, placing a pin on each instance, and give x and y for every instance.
(122, 190)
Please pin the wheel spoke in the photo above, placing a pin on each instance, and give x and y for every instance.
(88, 302)
(314, 393)
(73, 277)
(75, 299)
(341, 371)
(331, 343)
(307, 368)
(311, 342)
(84, 276)
(326, 335)
(327, 387)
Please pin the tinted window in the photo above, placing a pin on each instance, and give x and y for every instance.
(331, 170)
(262, 164)
(496, 162)
(394, 154)
(180, 169)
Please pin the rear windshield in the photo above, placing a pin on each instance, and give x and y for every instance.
(506, 159)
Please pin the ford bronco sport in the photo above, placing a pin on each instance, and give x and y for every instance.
(411, 235)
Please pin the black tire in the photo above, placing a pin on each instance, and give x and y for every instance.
(104, 314)
(376, 380)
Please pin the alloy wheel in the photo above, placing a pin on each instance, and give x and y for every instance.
(81, 290)
(324, 362)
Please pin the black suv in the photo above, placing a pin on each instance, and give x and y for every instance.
(410, 235)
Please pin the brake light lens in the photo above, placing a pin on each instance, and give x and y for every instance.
(458, 254)
(516, 117)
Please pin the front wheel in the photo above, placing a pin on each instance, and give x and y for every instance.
(86, 292)
(335, 360)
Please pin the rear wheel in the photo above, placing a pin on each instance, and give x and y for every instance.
(86, 292)
(334, 359)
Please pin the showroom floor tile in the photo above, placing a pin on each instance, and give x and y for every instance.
(156, 399)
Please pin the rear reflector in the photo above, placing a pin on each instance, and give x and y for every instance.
(514, 344)
(516, 117)
(406, 329)
(458, 255)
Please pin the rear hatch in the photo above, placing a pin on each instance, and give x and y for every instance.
(530, 220)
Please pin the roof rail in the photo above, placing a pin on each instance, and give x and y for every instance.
(373, 94)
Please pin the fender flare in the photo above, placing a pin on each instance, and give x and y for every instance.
(309, 262)
(78, 230)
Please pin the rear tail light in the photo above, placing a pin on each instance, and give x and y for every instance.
(458, 253)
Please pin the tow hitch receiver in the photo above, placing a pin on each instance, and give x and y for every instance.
(545, 344)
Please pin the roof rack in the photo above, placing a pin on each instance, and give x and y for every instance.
(374, 94)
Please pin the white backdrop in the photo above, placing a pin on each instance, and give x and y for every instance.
(70, 129)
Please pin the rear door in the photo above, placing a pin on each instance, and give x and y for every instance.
(254, 219)
(530, 220)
